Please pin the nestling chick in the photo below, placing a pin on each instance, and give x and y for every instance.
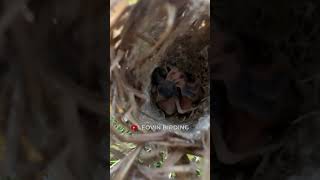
(167, 96)
(165, 91)
(158, 75)
(174, 91)
(192, 92)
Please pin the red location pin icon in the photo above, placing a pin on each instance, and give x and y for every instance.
(134, 127)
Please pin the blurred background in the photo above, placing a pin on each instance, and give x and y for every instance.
(266, 36)
(53, 89)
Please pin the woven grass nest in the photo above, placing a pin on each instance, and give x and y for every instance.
(143, 36)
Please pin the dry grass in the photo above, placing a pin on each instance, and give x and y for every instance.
(140, 37)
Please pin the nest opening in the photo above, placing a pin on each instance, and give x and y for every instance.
(188, 53)
(145, 36)
(171, 33)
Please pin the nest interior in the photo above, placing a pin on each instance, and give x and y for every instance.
(144, 36)
(189, 54)
(156, 40)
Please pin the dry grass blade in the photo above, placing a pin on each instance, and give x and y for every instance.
(117, 154)
(173, 158)
(177, 144)
(150, 155)
(115, 62)
(116, 11)
(142, 138)
(206, 159)
(127, 163)
(171, 11)
(176, 168)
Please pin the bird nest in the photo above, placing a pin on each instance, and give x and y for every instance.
(144, 36)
